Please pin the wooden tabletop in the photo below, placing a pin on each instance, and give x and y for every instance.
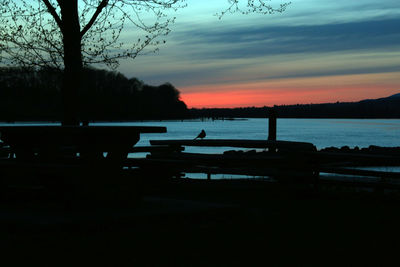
(45, 139)
(75, 129)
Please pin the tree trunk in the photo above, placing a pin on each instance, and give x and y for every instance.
(72, 61)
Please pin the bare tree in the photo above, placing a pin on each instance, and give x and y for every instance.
(69, 34)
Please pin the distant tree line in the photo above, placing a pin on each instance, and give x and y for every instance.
(377, 108)
(29, 95)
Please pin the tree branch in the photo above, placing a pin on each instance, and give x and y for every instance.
(102, 5)
(53, 12)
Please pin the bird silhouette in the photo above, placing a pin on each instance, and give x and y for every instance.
(201, 135)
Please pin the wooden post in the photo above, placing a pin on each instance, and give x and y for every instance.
(272, 125)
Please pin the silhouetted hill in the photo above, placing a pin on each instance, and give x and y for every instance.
(35, 95)
(394, 96)
(388, 107)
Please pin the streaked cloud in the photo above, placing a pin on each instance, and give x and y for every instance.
(313, 39)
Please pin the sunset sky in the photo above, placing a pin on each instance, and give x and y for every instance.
(317, 51)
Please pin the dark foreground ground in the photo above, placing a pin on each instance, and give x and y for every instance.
(203, 223)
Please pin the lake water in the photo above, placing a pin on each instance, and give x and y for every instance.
(320, 132)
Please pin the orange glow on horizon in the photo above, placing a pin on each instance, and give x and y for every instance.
(292, 91)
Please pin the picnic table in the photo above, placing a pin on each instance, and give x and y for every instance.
(74, 165)
(74, 142)
(274, 158)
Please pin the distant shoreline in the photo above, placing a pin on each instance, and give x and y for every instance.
(381, 108)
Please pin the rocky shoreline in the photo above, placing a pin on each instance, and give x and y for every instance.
(366, 150)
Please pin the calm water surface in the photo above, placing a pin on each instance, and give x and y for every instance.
(320, 132)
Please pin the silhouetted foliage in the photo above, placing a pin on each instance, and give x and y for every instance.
(388, 107)
(71, 34)
(36, 95)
